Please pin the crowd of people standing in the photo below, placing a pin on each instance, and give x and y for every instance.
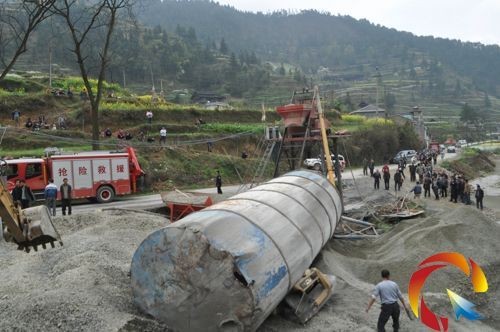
(434, 183)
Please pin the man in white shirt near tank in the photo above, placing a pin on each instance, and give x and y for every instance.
(389, 294)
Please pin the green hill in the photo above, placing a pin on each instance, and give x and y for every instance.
(347, 55)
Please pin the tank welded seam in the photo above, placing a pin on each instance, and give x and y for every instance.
(275, 209)
(319, 201)
(328, 193)
(316, 221)
(319, 185)
(263, 231)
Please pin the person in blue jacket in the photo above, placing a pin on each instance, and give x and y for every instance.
(50, 194)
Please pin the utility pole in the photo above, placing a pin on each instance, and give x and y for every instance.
(50, 66)
(124, 82)
(377, 75)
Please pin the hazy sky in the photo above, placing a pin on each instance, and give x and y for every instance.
(467, 20)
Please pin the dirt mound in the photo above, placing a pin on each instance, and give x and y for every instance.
(473, 165)
(83, 285)
(448, 227)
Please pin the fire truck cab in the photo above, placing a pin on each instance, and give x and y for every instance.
(96, 174)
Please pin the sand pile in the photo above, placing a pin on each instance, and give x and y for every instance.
(82, 286)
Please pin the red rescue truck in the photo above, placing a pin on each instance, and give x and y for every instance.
(96, 174)
(434, 145)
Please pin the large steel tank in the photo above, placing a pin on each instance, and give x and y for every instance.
(228, 266)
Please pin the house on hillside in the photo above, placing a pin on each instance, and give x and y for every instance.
(203, 97)
(370, 111)
(217, 106)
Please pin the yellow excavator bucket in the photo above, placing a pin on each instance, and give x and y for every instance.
(34, 229)
(28, 228)
(308, 296)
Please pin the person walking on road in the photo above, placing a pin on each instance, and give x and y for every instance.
(371, 166)
(398, 180)
(413, 172)
(386, 176)
(427, 186)
(389, 293)
(467, 191)
(479, 197)
(50, 194)
(435, 189)
(365, 166)
(454, 189)
(66, 196)
(376, 178)
(218, 183)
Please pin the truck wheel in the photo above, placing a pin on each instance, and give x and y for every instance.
(105, 194)
(317, 167)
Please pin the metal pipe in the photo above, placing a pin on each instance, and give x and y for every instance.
(228, 266)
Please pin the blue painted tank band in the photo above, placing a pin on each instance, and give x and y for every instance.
(269, 237)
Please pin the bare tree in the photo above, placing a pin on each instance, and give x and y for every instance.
(18, 20)
(85, 21)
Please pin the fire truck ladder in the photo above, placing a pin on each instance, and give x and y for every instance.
(264, 161)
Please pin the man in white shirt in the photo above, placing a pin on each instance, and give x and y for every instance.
(163, 136)
(389, 294)
(149, 117)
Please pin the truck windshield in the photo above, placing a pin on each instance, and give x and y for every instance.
(11, 171)
(33, 170)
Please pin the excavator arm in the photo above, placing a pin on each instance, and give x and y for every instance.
(28, 228)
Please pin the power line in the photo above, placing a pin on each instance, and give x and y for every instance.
(121, 144)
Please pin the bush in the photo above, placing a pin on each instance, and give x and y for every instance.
(351, 118)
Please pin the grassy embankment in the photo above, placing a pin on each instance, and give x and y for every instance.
(186, 163)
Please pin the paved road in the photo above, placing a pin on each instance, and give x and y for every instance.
(154, 201)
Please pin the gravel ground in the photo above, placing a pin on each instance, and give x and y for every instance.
(85, 285)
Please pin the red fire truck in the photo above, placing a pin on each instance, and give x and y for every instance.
(96, 174)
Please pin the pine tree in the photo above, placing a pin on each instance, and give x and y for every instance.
(223, 47)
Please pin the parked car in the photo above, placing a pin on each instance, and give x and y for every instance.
(404, 154)
(461, 143)
(315, 163)
(451, 149)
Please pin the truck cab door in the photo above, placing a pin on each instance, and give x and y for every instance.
(35, 179)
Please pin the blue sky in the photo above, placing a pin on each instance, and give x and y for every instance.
(476, 21)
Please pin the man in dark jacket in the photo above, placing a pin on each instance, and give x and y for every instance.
(17, 193)
(371, 166)
(453, 190)
(22, 193)
(427, 185)
(218, 183)
(413, 172)
(398, 180)
(479, 197)
(435, 188)
(376, 178)
(66, 196)
(386, 176)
